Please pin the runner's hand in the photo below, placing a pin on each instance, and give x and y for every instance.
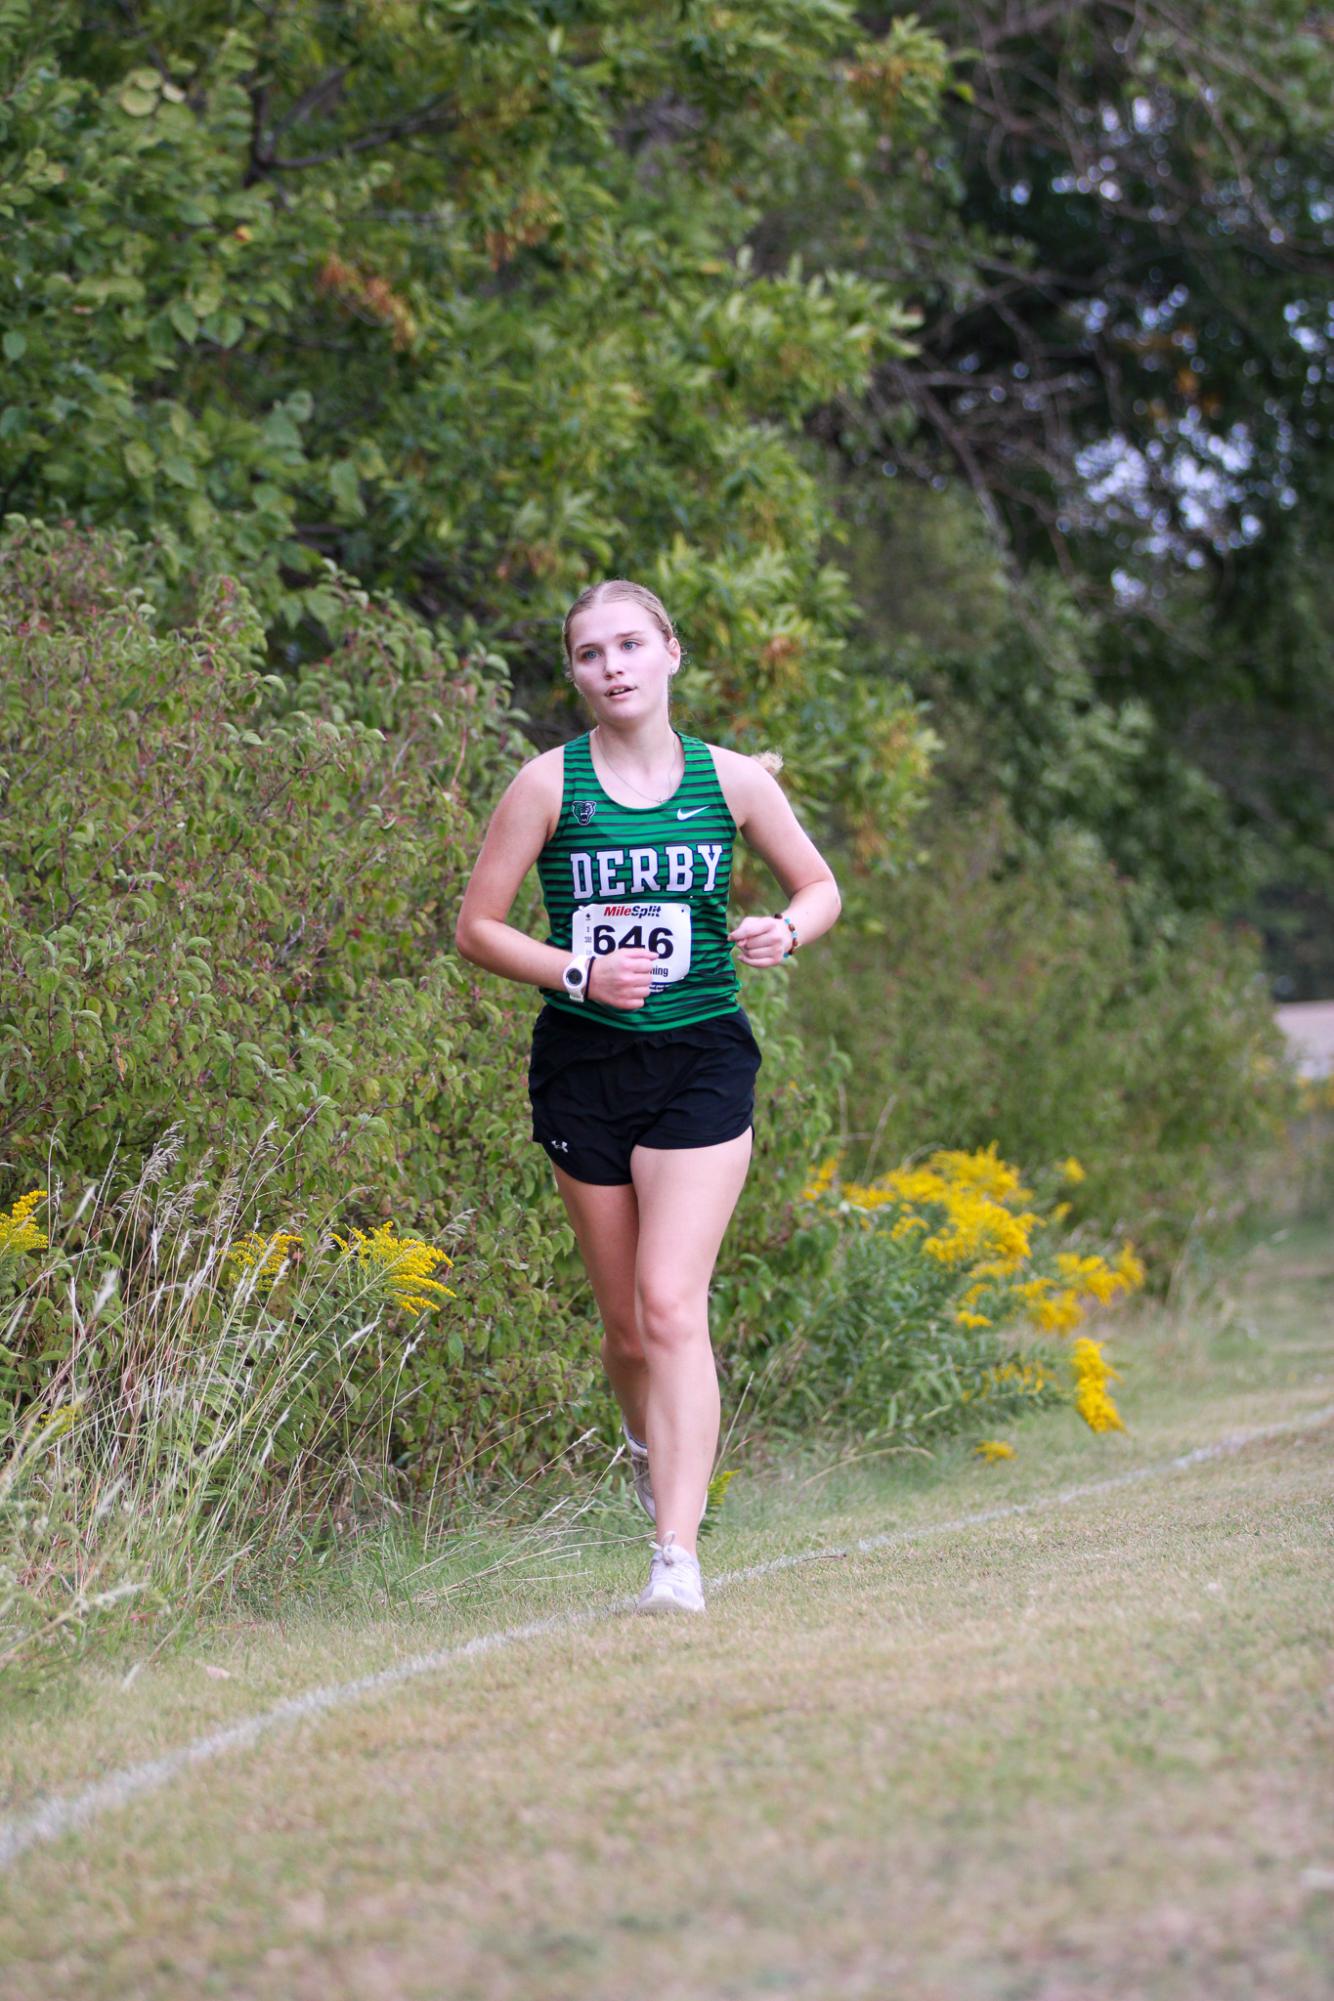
(761, 941)
(622, 979)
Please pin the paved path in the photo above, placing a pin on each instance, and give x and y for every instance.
(1309, 1028)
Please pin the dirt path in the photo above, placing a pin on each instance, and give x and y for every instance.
(1078, 1751)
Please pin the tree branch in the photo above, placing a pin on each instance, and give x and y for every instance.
(435, 116)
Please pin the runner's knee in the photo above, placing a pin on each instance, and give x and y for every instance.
(621, 1339)
(669, 1314)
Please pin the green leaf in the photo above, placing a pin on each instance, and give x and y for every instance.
(226, 328)
(15, 344)
(346, 489)
(139, 459)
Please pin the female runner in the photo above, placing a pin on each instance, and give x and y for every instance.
(643, 1064)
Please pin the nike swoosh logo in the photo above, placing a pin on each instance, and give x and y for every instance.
(693, 814)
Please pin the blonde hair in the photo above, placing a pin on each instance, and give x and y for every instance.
(616, 587)
(640, 594)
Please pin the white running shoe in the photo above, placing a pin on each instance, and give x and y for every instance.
(639, 1468)
(674, 1583)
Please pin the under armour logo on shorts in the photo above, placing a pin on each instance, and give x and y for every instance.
(559, 1145)
(584, 809)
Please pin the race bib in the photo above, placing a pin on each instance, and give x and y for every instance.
(660, 928)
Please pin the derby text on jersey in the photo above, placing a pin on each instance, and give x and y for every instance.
(654, 877)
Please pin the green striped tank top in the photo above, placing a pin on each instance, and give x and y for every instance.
(652, 876)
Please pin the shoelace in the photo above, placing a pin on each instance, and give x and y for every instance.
(670, 1553)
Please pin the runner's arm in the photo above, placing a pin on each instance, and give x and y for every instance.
(520, 828)
(764, 815)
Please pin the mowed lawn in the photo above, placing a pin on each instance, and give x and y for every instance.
(1080, 1751)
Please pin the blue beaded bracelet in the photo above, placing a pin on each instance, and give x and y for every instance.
(783, 918)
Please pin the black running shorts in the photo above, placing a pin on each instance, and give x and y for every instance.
(599, 1092)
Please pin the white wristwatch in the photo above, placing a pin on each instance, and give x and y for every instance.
(575, 977)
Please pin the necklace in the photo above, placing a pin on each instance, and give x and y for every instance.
(630, 781)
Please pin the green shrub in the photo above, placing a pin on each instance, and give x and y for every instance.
(225, 894)
(227, 902)
(987, 998)
(946, 1304)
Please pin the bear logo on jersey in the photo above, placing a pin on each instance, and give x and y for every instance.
(584, 809)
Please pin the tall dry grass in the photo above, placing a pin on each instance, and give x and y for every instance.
(188, 1399)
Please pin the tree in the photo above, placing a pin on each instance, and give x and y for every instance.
(459, 297)
(1121, 254)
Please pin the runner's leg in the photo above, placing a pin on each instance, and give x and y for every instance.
(686, 1198)
(605, 1222)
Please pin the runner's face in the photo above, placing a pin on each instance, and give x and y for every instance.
(620, 662)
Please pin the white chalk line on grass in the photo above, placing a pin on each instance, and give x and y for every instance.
(62, 1816)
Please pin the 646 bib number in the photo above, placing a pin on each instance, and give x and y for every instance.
(660, 928)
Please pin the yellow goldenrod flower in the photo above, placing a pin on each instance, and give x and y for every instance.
(1093, 1274)
(1059, 1312)
(867, 1195)
(982, 1171)
(265, 1256)
(1092, 1375)
(18, 1232)
(822, 1180)
(966, 1212)
(992, 1449)
(1129, 1268)
(1090, 1274)
(975, 1228)
(908, 1184)
(403, 1264)
(60, 1420)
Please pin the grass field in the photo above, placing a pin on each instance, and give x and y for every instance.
(1080, 1751)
